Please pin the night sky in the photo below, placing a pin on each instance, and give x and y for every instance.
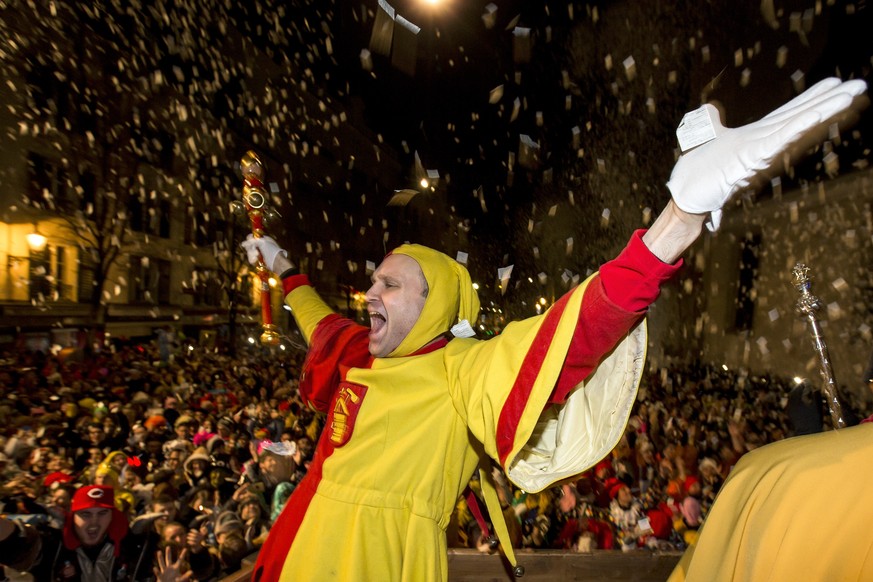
(620, 74)
(550, 124)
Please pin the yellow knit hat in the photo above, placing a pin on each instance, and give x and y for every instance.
(450, 298)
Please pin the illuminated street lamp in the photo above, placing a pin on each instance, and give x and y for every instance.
(35, 240)
(35, 243)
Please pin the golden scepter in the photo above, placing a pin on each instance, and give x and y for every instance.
(807, 305)
(255, 199)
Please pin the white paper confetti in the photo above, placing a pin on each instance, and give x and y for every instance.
(503, 275)
(489, 18)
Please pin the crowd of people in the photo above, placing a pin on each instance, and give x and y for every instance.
(688, 428)
(199, 454)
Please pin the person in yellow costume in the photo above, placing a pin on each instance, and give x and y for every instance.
(415, 404)
(792, 510)
(108, 473)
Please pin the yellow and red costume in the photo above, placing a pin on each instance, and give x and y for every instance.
(546, 399)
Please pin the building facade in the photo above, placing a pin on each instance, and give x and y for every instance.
(120, 160)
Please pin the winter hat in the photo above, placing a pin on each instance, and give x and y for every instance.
(227, 422)
(179, 445)
(254, 499)
(613, 491)
(451, 297)
(689, 481)
(200, 453)
(56, 477)
(155, 421)
(185, 419)
(605, 464)
(94, 497)
(707, 462)
(227, 522)
(141, 398)
(661, 521)
(214, 442)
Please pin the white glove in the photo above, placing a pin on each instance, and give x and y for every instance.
(264, 247)
(705, 178)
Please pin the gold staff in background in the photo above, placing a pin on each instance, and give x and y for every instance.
(807, 305)
(255, 205)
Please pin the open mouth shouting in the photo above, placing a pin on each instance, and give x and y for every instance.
(394, 302)
(377, 322)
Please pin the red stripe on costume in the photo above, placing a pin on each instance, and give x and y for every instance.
(514, 406)
(271, 558)
(601, 325)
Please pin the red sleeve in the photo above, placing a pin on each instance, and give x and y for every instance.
(613, 303)
(336, 343)
(633, 279)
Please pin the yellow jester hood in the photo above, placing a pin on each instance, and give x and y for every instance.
(450, 299)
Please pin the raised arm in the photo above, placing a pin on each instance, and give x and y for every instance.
(706, 177)
(673, 231)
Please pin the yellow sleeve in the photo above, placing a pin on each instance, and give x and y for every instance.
(502, 387)
(308, 308)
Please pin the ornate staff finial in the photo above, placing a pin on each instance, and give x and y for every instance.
(255, 200)
(807, 305)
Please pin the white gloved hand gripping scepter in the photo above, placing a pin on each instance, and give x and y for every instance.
(255, 198)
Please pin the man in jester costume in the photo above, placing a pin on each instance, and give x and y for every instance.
(415, 404)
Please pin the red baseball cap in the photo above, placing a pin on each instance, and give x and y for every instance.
(94, 497)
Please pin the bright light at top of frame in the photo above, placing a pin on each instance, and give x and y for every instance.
(441, 4)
